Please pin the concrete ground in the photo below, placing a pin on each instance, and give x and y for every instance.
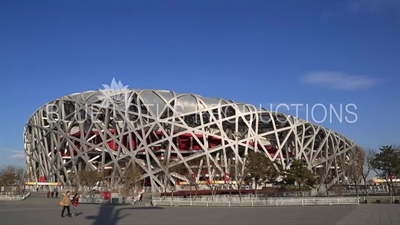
(38, 209)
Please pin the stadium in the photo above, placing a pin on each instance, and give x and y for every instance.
(108, 130)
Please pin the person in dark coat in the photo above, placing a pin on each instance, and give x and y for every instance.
(141, 198)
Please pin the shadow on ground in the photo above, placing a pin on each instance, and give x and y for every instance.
(111, 214)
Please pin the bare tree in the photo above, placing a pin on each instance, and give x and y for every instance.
(238, 175)
(195, 167)
(166, 176)
(324, 178)
(173, 170)
(338, 190)
(88, 179)
(240, 171)
(210, 181)
(75, 182)
(229, 176)
(129, 180)
(368, 156)
(213, 188)
(354, 168)
(12, 177)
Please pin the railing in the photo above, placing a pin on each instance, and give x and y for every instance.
(93, 201)
(25, 196)
(15, 197)
(380, 199)
(98, 200)
(257, 202)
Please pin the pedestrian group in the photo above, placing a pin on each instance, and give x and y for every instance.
(67, 201)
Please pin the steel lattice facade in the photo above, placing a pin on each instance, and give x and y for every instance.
(147, 127)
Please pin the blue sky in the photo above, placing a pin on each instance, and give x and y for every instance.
(265, 52)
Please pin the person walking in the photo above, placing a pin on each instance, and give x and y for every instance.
(75, 202)
(65, 202)
(141, 198)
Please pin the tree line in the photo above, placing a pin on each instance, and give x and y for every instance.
(255, 169)
(12, 179)
(128, 180)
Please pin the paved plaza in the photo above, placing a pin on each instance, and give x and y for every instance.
(38, 209)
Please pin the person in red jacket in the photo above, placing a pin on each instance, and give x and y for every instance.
(75, 202)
